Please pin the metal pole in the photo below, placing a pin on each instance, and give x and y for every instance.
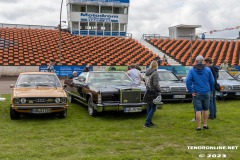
(60, 36)
(191, 50)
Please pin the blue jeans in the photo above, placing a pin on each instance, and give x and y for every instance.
(151, 108)
(201, 101)
(212, 105)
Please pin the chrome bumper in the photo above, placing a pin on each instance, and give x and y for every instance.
(118, 106)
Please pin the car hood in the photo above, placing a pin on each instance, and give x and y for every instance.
(172, 84)
(228, 82)
(113, 88)
(38, 92)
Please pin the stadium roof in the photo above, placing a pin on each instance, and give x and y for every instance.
(186, 26)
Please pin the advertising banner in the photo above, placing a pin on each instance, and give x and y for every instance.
(114, 68)
(64, 70)
(102, 2)
(98, 17)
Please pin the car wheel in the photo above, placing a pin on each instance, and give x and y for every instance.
(62, 114)
(14, 115)
(71, 98)
(91, 110)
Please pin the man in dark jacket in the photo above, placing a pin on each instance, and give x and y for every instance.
(200, 83)
(212, 106)
(153, 89)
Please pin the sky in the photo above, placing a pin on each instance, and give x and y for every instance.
(145, 16)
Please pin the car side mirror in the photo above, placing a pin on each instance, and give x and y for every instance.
(183, 79)
(11, 85)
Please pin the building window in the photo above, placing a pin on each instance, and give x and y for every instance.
(115, 27)
(105, 9)
(100, 26)
(83, 26)
(125, 10)
(78, 8)
(118, 10)
(75, 8)
(94, 9)
(123, 27)
(83, 8)
(107, 26)
(92, 26)
(75, 25)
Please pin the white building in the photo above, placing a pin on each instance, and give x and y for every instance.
(183, 31)
(98, 17)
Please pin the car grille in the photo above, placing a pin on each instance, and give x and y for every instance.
(40, 100)
(236, 87)
(178, 89)
(130, 96)
(110, 97)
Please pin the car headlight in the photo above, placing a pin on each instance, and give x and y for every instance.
(63, 100)
(57, 100)
(99, 98)
(23, 100)
(16, 100)
(227, 88)
(165, 89)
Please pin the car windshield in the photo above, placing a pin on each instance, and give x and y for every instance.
(109, 78)
(35, 80)
(167, 76)
(223, 75)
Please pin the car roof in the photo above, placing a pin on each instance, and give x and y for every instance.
(163, 70)
(107, 71)
(157, 70)
(37, 73)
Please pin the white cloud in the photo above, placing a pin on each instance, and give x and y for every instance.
(145, 16)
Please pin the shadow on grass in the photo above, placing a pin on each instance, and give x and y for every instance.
(38, 117)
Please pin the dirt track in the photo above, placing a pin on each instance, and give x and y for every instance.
(5, 84)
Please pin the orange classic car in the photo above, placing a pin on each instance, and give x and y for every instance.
(38, 93)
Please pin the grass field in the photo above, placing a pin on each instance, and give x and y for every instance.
(121, 136)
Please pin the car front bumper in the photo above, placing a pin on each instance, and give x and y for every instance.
(126, 107)
(176, 97)
(39, 109)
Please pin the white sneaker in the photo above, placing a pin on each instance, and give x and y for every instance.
(193, 120)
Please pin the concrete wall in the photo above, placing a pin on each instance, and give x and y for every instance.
(16, 70)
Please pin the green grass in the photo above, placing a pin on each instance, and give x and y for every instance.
(115, 135)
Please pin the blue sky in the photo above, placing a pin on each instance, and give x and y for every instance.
(145, 16)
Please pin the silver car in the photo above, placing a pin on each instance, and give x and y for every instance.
(230, 87)
(172, 88)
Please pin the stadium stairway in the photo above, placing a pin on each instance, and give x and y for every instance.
(152, 48)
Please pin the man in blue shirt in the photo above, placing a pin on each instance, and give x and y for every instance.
(200, 83)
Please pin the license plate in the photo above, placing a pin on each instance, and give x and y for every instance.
(237, 93)
(179, 96)
(133, 109)
(42, 110)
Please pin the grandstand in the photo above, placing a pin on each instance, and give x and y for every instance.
(180, 50)
(36, 47)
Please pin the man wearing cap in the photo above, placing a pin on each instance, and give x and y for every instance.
(215, 70)
(200, 83)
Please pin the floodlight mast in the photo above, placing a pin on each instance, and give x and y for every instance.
(60, 36)
(191, 35)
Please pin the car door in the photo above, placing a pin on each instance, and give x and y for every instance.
(80, 83)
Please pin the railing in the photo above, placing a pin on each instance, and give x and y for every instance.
(150, 36)
(223, 39)
(5, 25)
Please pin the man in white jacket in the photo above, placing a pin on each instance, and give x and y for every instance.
(135, 74)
